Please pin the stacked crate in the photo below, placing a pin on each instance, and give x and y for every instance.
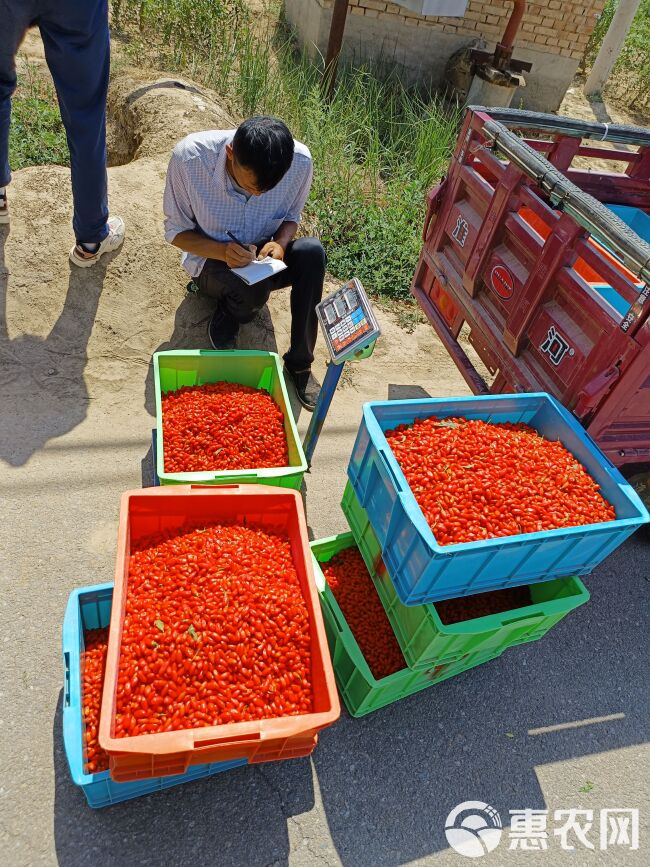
(150, 762)
(264, 497)
(411, 571)
(90, 608)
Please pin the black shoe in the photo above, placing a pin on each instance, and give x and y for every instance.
(223, 330)
(306, 385)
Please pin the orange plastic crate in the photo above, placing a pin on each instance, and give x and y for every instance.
(279, 510)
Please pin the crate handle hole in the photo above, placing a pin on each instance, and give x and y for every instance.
(213, 742)
(517, 619)
(386, 455)
(212, 487)
(66, 660)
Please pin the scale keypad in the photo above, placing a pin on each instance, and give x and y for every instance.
(349, 329)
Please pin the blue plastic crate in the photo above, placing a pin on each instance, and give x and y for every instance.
(90, 608)
(424, 571)
(635, 218)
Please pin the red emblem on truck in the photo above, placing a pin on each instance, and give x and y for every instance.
(502, 281)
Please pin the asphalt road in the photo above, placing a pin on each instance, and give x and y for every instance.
(377, 790)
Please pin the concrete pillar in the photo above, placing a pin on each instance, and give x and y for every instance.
(611, 47)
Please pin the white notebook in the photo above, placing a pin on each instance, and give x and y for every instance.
(260, 269)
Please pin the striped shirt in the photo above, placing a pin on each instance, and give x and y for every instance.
(200, 194)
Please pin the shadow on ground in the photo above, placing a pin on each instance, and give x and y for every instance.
(407, 392)
(43, 394)
(389, 780)
(191, 332)
(235, 818)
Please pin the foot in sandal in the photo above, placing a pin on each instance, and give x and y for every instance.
(85, 255)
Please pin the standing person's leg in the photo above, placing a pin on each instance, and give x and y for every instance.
(15, 16)
(77, 49)
(237, 303)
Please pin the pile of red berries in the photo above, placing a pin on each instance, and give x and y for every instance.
(482, 604)
(355, 593)
(222, 426)
(216, 630)
(475, 480)
(93, 662)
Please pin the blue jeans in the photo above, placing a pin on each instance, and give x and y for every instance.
(76, 39)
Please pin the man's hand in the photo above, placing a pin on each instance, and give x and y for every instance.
(272, 249)
(237, 257)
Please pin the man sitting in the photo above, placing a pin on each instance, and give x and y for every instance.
(250, 184)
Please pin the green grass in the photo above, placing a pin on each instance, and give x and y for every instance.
(377, 149)
(630, 79)
(36, 135)
(378, 146)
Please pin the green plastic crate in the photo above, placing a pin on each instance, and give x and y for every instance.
(179, 367)
(360, 690)
(425, 640)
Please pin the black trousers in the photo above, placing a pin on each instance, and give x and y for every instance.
(305, 273)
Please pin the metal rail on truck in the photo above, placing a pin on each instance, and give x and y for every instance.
(533, 120)
(566, 196)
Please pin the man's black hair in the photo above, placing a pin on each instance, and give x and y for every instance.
(264, 145)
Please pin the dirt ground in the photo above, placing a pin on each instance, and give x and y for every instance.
(140, 292)
(575, 104)
(76, 412)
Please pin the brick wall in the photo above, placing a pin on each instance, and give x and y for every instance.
(550, 26)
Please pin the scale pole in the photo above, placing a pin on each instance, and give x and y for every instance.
(331, 380)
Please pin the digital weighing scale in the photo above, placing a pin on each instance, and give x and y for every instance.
(350, 328)
(348, 323)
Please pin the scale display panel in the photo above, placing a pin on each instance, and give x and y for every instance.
(347, 321)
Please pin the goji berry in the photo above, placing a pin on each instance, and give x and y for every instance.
(222, 426)
(352, 586)
(93, 661)
(478, 480)
(216, 630)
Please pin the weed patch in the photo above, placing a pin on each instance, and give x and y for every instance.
(36, 134)
(378, 146)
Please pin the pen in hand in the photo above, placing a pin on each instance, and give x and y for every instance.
(237, 241)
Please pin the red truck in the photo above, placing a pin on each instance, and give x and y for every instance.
(544, 262)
